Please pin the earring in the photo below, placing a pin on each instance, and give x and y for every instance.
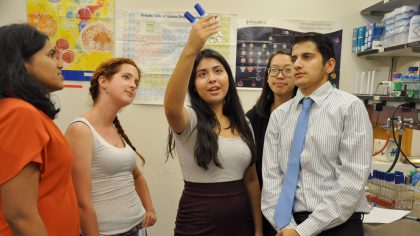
(106, 90)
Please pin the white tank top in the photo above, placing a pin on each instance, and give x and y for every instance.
(114, 197)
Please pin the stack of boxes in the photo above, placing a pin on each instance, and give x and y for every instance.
(393, 30)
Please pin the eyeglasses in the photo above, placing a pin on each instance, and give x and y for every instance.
(274, 72)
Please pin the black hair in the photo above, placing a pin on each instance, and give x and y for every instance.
(18, 43)
(266, 99)
(322, 42)
(206, 146)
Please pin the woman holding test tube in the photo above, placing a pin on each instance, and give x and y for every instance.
(214, 143)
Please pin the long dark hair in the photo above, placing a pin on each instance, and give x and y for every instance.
(18, 43)
(266, 99)
(108, 69)
(206, 147)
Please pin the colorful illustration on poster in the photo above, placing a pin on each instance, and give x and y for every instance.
(258, 39)
(80, 30)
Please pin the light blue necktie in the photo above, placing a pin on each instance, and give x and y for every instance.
(284, 208)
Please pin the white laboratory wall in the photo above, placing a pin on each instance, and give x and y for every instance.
(146, 124)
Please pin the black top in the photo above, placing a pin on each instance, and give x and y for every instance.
(259, 126)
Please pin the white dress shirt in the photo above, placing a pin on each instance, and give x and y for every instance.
(335, 161)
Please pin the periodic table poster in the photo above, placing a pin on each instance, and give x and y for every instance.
(154, 40)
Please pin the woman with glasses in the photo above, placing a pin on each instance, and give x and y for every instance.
(278, 88)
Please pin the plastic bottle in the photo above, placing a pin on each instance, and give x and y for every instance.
(412, 81)
(405, 81)
(390, 186)
(396, 85)
(417, 85)
(388, 21)
(415, 178)
(414, 25)
(402, 19)
(413, 71)
(400, 187)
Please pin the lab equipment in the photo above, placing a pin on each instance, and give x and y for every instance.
(218, 37)
(390, 190)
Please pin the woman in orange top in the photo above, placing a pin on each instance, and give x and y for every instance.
(36, 189)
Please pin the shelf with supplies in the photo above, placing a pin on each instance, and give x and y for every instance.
(385, 6)
(394, 32)
(405, 9)
(404, 50)
(389, 101)
(382, 98)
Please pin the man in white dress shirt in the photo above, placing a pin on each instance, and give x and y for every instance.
(336, 156)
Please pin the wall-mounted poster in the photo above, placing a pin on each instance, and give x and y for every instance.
(154, 40)
(82, 31)
(257, 39)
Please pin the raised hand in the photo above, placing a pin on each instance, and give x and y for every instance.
(201, 30)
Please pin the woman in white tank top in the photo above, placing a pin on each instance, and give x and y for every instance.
(112, 193)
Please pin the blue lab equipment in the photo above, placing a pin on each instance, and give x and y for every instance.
(201, 12)
(200, 9)
(189, 16)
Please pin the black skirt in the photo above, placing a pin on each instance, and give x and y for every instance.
(214, 209)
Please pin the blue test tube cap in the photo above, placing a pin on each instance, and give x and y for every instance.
(381, 175)
(386, 177)
(398, 173)
(189, 17)
(200, 9)
(391, 177)
(399, 179)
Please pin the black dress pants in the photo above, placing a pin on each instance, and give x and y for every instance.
(352, 227)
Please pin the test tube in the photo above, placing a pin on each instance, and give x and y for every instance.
(362, 81)
(189, 17)
(399, 182)
(202, 12)
(371, 83)
(200, 9)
